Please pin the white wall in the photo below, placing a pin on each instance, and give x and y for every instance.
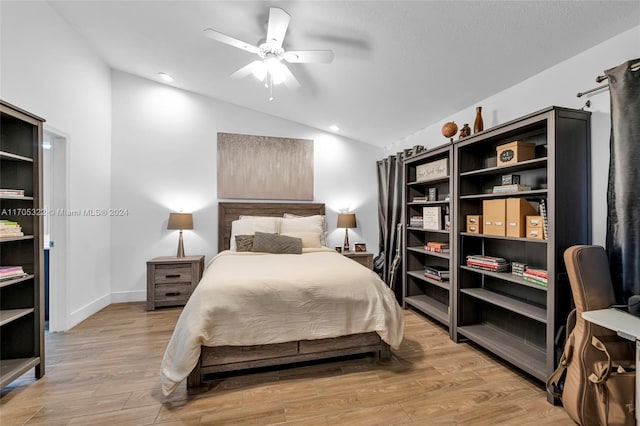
(558, 86)
(164, 159)
(47, 69)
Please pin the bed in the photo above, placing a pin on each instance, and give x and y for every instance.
(324, 306)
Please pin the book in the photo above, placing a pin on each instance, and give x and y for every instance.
(537, 272)
(416, 221)
(543, 213)
(534, 280)
(11, 271)
(490, 263)
(435, 272)
(437, 250)
(431, 218)
(500, 189)
(17, 192)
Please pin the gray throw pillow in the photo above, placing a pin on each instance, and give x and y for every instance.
(278, 244)
(244, 242)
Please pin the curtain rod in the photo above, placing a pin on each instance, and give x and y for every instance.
(600, 79)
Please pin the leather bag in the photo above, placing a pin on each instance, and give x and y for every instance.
(592, 389)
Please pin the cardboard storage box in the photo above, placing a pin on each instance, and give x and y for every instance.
(474, 224)
(518, 209)
(515, 152)
(434, 170)
(493, 217)
(534, 227)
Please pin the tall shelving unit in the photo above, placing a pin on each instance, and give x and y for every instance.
(429, 296)
(21, 298)
(513, 318)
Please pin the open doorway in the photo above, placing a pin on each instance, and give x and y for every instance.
(56, 227)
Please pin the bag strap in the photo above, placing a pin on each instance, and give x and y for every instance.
(604, 375)
(553, 382)
(599, 380)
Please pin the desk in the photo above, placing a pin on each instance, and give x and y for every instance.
(628, 327)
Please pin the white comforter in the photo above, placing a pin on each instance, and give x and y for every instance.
(249, 298)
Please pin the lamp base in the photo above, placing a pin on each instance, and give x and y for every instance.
(346, 240)
(180, 246)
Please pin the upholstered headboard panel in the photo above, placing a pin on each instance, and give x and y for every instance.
(228, 212)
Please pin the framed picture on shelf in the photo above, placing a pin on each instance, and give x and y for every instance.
(432, 218)
(360, 247)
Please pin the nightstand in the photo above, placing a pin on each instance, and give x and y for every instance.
(171, 280)
(363, 257)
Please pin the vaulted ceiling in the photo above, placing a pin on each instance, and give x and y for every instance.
(399, 65)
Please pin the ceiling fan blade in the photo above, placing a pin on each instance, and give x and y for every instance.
(246, 70)
(289, 79)
(223, 38)
(309, 56)
(277, 27)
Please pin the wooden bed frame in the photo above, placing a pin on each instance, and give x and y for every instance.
(232, 358)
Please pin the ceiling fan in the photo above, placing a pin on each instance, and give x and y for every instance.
(270, 68)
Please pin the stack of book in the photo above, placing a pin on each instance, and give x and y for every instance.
(543, 213)
(420, 199)
(11, 272)
(518, 268)
(488, 263)
(416, 221)
(536, 276)
(438, 273)
(516, 187)
(9, 228)
(12, 192)
(437, 247)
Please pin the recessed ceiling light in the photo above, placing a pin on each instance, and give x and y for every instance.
(334, 128)
(165, 76)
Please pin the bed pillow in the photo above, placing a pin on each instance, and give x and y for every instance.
(274, 243)
(309, 239)
(244, 242)
(292, 223)
(276, 220)
(249, 227)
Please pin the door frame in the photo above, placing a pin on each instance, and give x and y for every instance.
(59, 254)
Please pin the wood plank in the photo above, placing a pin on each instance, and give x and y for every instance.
(107, 367)
(429, 306)
(526, 357)
(522, 308)
(9, 315)
(11, 369)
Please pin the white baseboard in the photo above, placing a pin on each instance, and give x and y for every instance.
(129, 296)
(79, 315)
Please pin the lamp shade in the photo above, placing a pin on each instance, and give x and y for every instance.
(346, 220)
(180, 221)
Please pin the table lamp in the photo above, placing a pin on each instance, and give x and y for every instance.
(346, 221)
(180, 221)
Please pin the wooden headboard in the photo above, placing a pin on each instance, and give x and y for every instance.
(228, 212)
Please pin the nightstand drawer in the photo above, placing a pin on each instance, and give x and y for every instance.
(172, 274)
(172, 294)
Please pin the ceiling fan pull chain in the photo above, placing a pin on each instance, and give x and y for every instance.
(270, 77)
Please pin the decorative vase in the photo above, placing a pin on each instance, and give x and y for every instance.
(478, 125)
(465, 131)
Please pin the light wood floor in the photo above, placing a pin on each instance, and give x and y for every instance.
(106, 371)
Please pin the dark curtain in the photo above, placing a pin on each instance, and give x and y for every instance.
(623, 190)
(389, 216)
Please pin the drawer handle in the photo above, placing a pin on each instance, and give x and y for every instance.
(172, 276)
(172, 294)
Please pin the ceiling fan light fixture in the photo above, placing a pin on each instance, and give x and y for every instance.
(260, 70)
(275, 69)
